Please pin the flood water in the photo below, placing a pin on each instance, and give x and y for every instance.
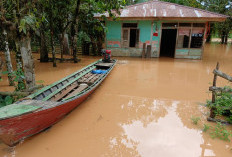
(142, 109)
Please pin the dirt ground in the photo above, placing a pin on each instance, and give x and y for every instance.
(143, 108)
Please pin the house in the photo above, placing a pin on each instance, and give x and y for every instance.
(168, 29)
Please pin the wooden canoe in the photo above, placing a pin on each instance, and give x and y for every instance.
(46, 107)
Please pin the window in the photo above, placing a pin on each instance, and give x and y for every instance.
(183, 38)
(169, 24)
(130, 35)
(128, 25)
(198, 25)
(197, 38)
(185, 24)
(190, 32)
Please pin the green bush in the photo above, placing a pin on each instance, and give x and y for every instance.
(223, 104)
(6, 100)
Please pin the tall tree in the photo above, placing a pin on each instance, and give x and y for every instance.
(8, 59)
(18, 18)
(190, 3)
(222, 7)
(1, 67)
(51, 25)
(42, 33)
(74, 30)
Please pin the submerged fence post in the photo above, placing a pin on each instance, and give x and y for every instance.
(212, 110)
(144, 50)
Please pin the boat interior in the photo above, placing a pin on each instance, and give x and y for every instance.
(74, 84)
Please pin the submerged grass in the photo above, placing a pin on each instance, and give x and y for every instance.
(195, 119)
(218, 131)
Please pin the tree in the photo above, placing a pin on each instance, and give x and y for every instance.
(221, 7)
(8, 59)
(19, 20)
(42, 33)
(74, 30)
(190, 3)
(1, 67)
(93, 27)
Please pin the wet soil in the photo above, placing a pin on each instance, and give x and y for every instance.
(143, 108)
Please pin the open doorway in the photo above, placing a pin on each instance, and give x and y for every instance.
(133, 34)
(168, 42)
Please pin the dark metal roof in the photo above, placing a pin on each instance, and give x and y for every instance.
(165, 10)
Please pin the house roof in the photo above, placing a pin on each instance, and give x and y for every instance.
(167, 11)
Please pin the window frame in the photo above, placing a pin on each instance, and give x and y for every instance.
(190, 40)
(129, 28)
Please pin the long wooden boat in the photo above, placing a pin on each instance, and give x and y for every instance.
(46, 107)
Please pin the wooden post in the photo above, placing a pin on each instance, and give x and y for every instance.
(212, 114)
(148, 51)
(144, 50)
(223, 75)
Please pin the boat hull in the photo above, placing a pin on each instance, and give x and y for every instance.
(15, 129)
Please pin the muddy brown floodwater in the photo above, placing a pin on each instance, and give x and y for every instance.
(143, 108)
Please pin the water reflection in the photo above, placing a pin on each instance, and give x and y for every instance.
(159, 131)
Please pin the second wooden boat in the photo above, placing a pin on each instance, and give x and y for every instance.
(50, 104)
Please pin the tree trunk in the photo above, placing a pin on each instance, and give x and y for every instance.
(21, 80)
(208, 39)
(99, 46)
(226, 38)
(51, 32)
(1, 67)
(74, 31)
(94, 47)
(8, 60)
(75, 47)
(65, 44)
(28, 62)
(53, 50)
(211, 26)
(62, 47)
(43, 47)
(223, 37)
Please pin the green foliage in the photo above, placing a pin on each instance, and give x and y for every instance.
(223, 104)
(221, 132)
(206, 128)
(18, 79)
(82, 37)
(40, 81)
(28, 22)
(195, 120)
(191, 3)
(7, 100)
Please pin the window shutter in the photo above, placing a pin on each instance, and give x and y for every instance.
(125, 38)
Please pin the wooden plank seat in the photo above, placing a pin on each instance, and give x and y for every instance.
(48, 97)
(90, 80)
(104, 64)
(80, 88)
(65, 92)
